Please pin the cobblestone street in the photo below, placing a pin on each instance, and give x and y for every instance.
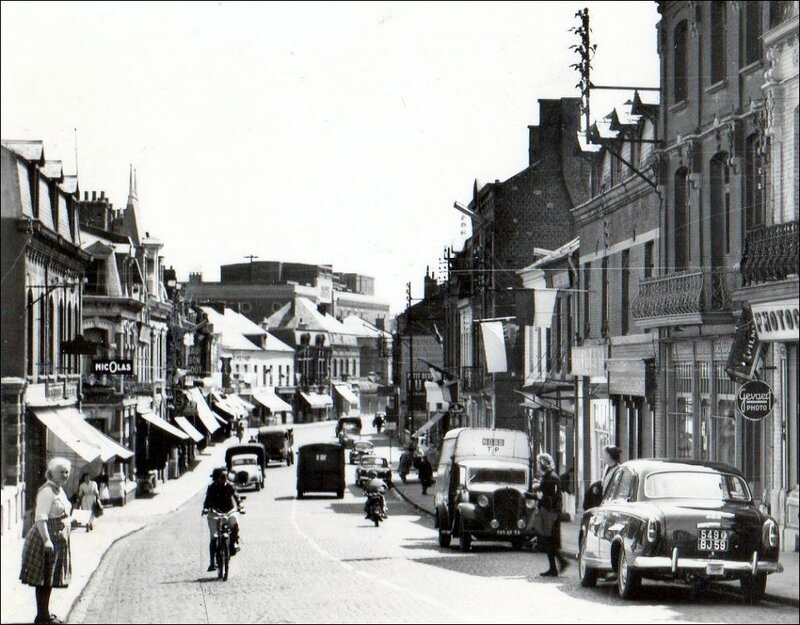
(318, 560)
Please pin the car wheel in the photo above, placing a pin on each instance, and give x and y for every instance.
(444, 536)
(299, 494)
(753, 587)
(586, 575)
(340, 494)
(517, 544)
(628, 580)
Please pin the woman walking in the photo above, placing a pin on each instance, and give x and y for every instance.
(46, 562)
(548, 492)
(89, 498)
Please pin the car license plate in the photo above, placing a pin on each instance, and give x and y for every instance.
(508, 532)
(712, 540)
(715, 568)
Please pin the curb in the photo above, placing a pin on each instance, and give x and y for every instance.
(413, 504)
(91, 577)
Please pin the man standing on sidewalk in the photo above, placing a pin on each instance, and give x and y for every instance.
(425, 472)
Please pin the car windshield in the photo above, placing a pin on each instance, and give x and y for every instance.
(501, 476)
(694, 485)
(364, 446)
(374, 462)
(350, 427)
(240, 461)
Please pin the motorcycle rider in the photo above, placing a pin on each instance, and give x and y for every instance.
(222, 496)
(376, 487)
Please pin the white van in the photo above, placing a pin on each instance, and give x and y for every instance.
(483, 476)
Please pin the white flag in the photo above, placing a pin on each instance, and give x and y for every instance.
(494, 346)
(545, 300)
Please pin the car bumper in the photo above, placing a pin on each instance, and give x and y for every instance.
(705, 566)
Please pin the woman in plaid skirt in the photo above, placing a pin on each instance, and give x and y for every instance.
(46, 553)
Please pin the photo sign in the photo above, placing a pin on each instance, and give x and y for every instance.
(755, 400)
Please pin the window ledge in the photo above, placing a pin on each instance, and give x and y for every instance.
(749, 68)
(717, 86)
(679, 106)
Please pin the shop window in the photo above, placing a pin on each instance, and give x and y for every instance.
(724, 424)
(684, 428)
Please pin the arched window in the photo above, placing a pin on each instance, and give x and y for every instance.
(719, 32)
(680, 64)
(751, 33)
(720, 209)
(29, 334)
(680, 221)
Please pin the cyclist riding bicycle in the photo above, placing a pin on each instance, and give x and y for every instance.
(221, 496)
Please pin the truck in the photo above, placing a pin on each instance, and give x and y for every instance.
(483, 487)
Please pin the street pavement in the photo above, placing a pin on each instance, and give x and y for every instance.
(781, 587)
(319, 560)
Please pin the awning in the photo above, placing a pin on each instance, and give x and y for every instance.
(73, 419)
(151, 417)
(230, 408)
(270, 400)
(318, 400)
(238, 401)
(437, 394)
(64, 425)
(204, 413)
(428, 425)
(537, 402)
(187, 427)
(346, 393)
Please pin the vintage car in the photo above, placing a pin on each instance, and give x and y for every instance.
(361, 448)
(246, 465)
(348, 430)
(481, 487)
(678, 520)
(278, 441)
(320, 469)
(373, 464)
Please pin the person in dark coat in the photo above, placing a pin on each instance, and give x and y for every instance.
(548, 492)
(425, 472)
(404, 464)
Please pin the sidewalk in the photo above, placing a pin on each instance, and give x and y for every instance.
(781, 587)
(88, 548)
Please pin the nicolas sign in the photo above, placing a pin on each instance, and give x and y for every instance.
(112, 367)
(755, 399)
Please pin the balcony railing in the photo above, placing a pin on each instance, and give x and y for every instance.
(770, 253)
(685, 297)
(472, 378)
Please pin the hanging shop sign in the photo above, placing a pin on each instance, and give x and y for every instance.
(112, 367)
(745, 349)
(777, 321)
(755, 400)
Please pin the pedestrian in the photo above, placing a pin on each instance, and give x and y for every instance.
(46, 562)
(612, 456)
(425, 472)
(404, 464)
(548, 492)
(566, 480)
(89, 498)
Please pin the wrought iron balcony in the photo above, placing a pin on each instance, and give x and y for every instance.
(770, 253)
(472, 378)
(683, 298)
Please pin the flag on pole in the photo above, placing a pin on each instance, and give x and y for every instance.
(494, 346)
(545, 301)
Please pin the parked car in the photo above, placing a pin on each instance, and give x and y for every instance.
(320, 468)
(278, 441)
(361, 448)
(246, 464)
(678, 520)
(373, 464)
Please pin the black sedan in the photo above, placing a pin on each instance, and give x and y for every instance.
(373, 466)
(361, 448)
(678, 520)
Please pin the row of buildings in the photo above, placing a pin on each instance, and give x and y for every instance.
(638, 272)
(109, 360)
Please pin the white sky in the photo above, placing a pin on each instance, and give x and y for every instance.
(323, 133)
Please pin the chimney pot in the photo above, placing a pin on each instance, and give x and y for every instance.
(102, 194)
(94, 195)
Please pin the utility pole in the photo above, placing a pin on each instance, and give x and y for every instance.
(411, 380)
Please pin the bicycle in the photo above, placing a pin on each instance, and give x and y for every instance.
(222, 539)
